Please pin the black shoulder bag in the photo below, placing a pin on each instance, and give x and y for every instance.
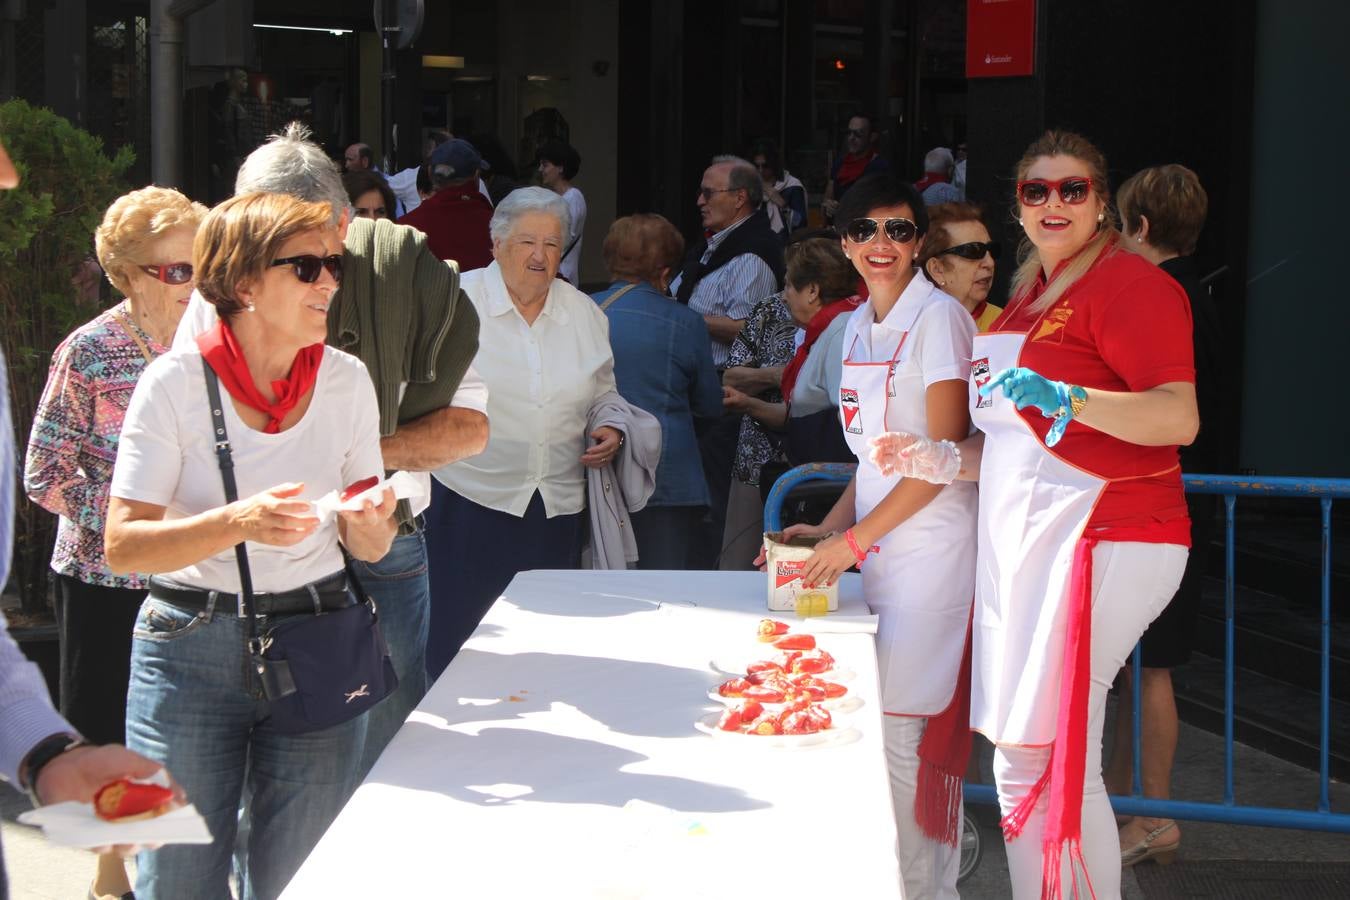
(318, 671)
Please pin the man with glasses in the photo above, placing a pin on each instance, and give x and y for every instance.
(739, 263)
(861, 158)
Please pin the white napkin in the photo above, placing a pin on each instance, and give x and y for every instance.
(75, 825)
(406, 487)
(831, 624)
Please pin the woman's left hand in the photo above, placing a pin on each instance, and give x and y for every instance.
(601, 453)
(369, 514)
(831, 558)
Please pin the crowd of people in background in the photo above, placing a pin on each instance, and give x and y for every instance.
(639, 426)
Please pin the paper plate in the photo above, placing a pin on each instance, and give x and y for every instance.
(734, 667)
(839, 706)
(831, 737)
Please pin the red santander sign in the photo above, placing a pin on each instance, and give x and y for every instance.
(1000, 38)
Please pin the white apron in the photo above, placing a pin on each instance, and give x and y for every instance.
(921, 580)
(1033, 508)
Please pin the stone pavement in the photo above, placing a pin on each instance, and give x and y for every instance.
(41, 871)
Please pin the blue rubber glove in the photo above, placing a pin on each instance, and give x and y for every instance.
(1027, 388)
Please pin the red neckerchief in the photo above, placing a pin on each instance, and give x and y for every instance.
(928, 180)
(851, 169)
(814, 329)
(220, 348)
(979, 310)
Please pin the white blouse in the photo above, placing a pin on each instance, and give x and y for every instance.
(167, 457)
(940, 333)
(542, 380)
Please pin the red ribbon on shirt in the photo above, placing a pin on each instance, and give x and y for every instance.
(220, 348)
(814, 329)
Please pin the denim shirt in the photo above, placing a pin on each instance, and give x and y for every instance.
(663, 365)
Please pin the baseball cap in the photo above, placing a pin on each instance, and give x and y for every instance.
(457, 157)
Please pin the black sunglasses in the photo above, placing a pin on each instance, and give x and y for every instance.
(860, 231)
(975, 250)
(308, 266)
(171, 273)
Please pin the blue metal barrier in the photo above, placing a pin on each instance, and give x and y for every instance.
(1230, 487)
(773, 506)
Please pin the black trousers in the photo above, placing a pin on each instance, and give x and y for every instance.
(94, 624)
(473, 552)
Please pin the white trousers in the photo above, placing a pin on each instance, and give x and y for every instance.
(927, 867)
(1131, 584)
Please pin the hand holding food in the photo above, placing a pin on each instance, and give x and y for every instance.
(125, 800)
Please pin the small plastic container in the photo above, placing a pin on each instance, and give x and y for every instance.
(784, 562)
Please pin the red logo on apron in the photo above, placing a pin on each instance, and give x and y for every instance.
(979, 372)
(848, 405)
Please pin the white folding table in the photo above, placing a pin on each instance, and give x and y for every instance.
(558, 757)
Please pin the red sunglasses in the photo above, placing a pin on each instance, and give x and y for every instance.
(1072, 190)
(171, 273)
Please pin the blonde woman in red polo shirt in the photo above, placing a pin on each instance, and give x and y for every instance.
(1082, 390)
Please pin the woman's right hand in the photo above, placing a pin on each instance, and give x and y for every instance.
(272, 517)
(801, 528)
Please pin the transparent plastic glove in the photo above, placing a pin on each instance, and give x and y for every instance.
(912, 456)
(1027, 388)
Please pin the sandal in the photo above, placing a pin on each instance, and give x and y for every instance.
(1149, 848)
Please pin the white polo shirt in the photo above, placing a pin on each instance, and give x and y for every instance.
(542, 380)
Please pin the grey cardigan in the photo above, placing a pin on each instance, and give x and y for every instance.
(625, 484)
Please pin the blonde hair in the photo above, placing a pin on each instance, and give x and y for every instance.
(239, 239)
(1103, 243)
(1174, 202)
(134, 222)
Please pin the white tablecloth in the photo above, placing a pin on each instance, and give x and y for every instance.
(557, 757)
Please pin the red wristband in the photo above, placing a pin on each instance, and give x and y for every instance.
(858, 553)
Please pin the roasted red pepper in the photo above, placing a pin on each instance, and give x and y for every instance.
(771, 628)
(731, 719)
(763, 665)
(766, 724)
(751, 710)
(800, 722)
(124, 799)
(763, 693)
(357, 487)
(796, 642)
(733, 688)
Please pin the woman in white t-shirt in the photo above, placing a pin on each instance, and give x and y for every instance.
(559, 163)
(906, 355)
(302, 420)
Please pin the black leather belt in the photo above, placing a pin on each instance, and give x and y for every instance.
(329, 593)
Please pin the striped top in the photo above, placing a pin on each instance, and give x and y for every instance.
(731, 290)
(74, 441)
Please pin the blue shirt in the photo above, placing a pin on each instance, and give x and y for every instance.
(663, 365)
(26, 714)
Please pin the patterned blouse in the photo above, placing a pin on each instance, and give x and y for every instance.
(74, 441)
(767, 340)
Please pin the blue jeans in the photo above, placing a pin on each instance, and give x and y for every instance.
(194, 706)
(398, 584)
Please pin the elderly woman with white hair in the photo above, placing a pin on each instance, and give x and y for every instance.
(545, 357)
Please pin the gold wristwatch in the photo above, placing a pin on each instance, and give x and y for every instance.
(1077, 400)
